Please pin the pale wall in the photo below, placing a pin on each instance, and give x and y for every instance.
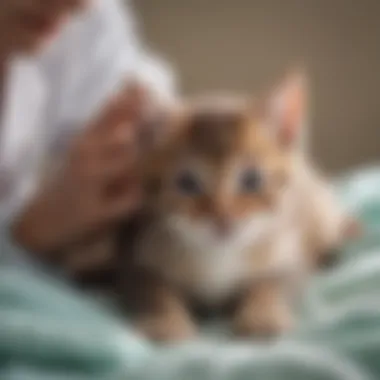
(246, 44)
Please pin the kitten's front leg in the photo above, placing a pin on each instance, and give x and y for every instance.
(264, 311)
(160, 312)
(172, 324)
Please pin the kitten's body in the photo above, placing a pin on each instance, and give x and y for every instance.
(271, 256)
(220, 243)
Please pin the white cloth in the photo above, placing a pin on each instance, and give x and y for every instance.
(49, 96)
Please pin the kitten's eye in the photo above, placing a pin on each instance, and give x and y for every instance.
(188, 184)
(250, 181)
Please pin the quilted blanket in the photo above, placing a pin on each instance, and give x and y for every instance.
(50, 332)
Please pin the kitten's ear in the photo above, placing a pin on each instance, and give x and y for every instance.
(288, 108)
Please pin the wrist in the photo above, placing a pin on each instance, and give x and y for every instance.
(38, 228)
(32, 236)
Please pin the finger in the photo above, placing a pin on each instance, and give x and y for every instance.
(126, 105)
(114, 151)
(103, 170)
(112, 114)
(120, 142)
(136, 98)
(125, 201)
(115, 168)
(120, 135)
(100, 159)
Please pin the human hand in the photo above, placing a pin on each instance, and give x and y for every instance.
(96, 187)
(27, 24)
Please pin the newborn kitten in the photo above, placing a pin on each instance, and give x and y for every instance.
(236, 215)
(227, 220)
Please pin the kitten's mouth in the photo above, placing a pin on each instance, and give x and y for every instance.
(213, 231)
(223, 228)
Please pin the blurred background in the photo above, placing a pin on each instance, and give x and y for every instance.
(246, 45)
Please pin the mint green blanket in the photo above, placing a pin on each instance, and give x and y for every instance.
(48, 332)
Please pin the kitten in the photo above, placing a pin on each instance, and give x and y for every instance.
(235, 215)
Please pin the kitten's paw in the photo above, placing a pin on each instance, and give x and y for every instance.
(167, 327)
(262, 323)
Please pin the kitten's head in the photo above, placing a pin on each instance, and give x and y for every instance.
(222, 175)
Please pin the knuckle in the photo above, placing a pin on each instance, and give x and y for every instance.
(83, 167)
(85, 152)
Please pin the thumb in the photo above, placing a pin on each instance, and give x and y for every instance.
(124, 203)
